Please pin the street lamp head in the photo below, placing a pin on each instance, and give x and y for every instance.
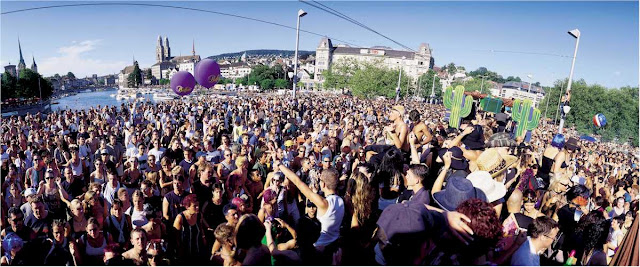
(575, 33)
(290, 74)
(301, 13)
(566, 109)
(530, 76)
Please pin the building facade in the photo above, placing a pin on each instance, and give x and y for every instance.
(11, 69)
(123, 75)
(413, 64)
(521, 90)
(159, 68)
(235, 70)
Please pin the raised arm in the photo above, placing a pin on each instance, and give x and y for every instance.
(437, 185)
(456, 141)
(415, 158)
(320, 202)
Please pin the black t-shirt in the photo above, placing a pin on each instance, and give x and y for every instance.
(41, 227)
(176, 155)
(212, 213)
(155, 202)
(203, 193)
(58, 255)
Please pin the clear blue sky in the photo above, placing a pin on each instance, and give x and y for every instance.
(103, 39)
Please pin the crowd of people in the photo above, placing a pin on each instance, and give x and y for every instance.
(323, 179)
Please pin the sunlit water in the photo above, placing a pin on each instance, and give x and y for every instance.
(84, 101)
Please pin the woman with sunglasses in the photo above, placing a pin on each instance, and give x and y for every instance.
(52, 192)
(100, 174)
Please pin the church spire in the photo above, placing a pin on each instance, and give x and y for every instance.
(193, 48)
(20, 48)
(21, 64)
(34, 66)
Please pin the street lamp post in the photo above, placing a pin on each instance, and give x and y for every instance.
(558, 106)
(301, 13)
(433, 87)
(418, 88)
(399, 77)
(576, 34)
(482, 84)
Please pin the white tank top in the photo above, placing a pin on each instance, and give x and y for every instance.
(330, 221)
(76, 170)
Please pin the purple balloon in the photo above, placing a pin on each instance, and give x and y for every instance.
(208, 73)
(183, 83)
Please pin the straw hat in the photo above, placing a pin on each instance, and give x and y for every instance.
(493, 162)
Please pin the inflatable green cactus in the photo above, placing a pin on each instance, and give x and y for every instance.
(458, 104)
(525, 115)
(491, 104)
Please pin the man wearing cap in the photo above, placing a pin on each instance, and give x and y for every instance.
(30, 195)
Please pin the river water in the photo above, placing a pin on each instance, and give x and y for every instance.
(84, 101)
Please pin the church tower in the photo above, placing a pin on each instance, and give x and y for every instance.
(159, 50)
(21, 64)
(193, 50)
(34, 67)
(167, 49)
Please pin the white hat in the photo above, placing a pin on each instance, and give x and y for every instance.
(492, 188)
(29, 192)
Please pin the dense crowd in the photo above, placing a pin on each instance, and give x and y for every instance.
(321, 180)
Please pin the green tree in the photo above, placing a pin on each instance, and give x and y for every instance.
(588, 100)
(475, 84)
(266, 84)
(9, 83)
(338, 76)
(164, 81)
(70, 75)
(242, 80)
(281, 83)
(133, 80)
(451, 68)
(370, 81)
(147, 74)
(426, 82)
(225, 81)
(29, 85)
(56, 76)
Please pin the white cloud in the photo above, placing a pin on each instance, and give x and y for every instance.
(75, 58)
(617, 73)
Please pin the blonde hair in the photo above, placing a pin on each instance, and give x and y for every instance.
(241, 161)
(177, 170)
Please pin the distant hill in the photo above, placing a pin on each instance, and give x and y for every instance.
(263, 52)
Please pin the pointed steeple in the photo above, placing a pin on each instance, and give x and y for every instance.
(193, 48)
(20, 48)
(34, 66)
(21, 64)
